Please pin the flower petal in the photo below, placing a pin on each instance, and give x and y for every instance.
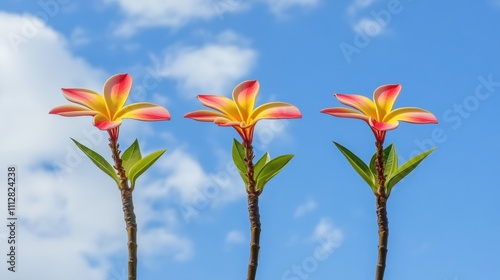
(223, 121)
(275, 110)
(411, 115)
(143, 111)
(382, 126)
(104, 123)
(359, 102)
(221, 104)
(245, 95)
(384, 97)
(116, 91)
(345, 113)
(203, 115)
(85, 97)
(72, 111)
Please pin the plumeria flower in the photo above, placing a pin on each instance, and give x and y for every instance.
(109, 110)
(379, 113)
(240, 112)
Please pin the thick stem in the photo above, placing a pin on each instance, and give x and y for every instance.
(383, 233)
(131, 225)
(128, 209)
(383, 222)
(379, 165)
(253, 211)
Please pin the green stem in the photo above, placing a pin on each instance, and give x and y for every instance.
(253, 211)
(383, 222)
(128, 209)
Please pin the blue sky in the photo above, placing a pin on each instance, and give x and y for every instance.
(191, 205)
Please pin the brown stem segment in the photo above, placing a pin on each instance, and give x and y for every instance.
(128, 212)
(383, 222)
(253, 211)
(128, 209)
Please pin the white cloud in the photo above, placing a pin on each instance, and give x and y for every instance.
(184, 175)
(358, 5)
(68, 217)
(327, 234)
(365, 25)
(369, 27)
(151, 13)
(176, 14)
(195, 188)
(79, 36)
(154, 242)
(281, 6)
(212, 68)
(235, 237)
(305, 208)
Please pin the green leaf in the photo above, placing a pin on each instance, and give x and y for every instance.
(391, 162)
(270, 170)
(261, 163)
(238, 153)
(142, 165)
(99, 161)
(405, 169)
(358, 165)
(389, 152)
(131, 156)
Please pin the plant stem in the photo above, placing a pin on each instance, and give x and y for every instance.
(253, 211)
(383, 222)
(128, 212)
(128, 209)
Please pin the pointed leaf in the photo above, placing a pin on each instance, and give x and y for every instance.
(271, 169)
(390, 161)
(406, 168)
(260, 164)
(238, 153)
(99, 161)
(131, 156)
(142, 165)
(358, 165)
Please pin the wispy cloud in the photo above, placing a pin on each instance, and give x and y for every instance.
(173, 14)
(358, 5)
(305, 208)
(211, 68)
(280, 7)
(369, 27)
(176, 14)
(235, 237)
(160, 241)
(79, 36)
(370, 24)
(327, 234)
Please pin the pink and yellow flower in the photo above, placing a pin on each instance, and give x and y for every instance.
(109, 110)
(240, 112)
(379, 113)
